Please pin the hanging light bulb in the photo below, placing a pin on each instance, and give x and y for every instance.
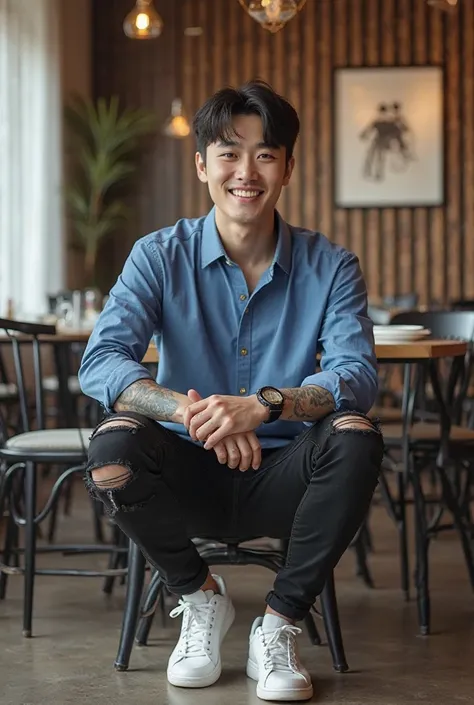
(272, 14)
(177, 125)
(143, 22)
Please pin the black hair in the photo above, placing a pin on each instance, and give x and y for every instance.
(280, 122)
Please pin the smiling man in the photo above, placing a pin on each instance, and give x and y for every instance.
(240, 435)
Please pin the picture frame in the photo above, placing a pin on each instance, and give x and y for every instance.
(388, 130)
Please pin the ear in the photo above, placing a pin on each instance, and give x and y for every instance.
(289, 170)
(200, 167)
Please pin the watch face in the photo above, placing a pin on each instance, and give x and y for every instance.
(272, 396)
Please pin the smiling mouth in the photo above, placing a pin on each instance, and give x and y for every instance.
(247, 194)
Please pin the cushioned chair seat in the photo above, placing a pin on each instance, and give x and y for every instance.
(61, 440)
(51, 384)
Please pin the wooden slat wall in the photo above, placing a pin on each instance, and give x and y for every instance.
(427, 250)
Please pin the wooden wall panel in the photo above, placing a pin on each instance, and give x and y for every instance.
(427, 250)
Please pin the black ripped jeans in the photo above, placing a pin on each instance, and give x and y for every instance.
(315, 492)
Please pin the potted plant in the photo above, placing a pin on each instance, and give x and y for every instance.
(104, 143)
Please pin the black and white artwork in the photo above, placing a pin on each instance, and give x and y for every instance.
(388, 133)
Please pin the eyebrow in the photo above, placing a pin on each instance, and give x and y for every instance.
(233, 143)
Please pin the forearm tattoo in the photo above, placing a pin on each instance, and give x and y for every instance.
(307, 403)
(150, 399)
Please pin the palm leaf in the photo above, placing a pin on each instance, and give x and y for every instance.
(104, 141)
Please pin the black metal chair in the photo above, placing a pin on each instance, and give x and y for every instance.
(446, 461)
(20, 457)
(140, 607)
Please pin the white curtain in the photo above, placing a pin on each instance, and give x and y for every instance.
(31, 209)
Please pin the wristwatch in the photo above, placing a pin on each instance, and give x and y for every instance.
(273, 399)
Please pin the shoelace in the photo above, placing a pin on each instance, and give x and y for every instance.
(195, 632)
(280, 648)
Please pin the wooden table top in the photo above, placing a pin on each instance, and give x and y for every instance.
(419, 350)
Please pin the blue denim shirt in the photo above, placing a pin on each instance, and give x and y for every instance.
(179, 287)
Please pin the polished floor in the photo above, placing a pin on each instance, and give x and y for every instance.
(70, 659)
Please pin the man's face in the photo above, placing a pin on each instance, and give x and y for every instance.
(245, 177)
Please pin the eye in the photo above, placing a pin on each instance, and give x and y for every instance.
(227, 155)
(266, 157)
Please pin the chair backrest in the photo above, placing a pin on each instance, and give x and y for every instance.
(442, 324)
(462, 305)
(453, 325)
(24, 338)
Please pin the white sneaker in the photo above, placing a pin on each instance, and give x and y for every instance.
(207, 617)
(274, 662)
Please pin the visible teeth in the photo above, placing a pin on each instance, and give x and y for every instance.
(245, 194)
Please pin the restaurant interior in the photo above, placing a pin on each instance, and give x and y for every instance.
(97, 99)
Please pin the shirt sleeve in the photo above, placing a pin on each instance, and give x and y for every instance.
(348, 361)
(131, 316)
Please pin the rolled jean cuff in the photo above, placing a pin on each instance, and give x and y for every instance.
(192, 585)
(289, 611)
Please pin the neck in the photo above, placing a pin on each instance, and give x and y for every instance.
(248, 245)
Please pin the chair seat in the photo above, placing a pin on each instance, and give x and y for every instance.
(51, 384)
(60, 440)
(422, 432)
(8, 391)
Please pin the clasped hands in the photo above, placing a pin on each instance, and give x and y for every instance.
(227, 425)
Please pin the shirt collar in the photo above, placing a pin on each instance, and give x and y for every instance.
(213, 249)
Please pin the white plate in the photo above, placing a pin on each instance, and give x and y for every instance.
(396, 328)
(401, 336)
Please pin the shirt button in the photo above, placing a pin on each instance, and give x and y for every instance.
(244, 351)
(242, 390)
(243, 297)
(227, 261)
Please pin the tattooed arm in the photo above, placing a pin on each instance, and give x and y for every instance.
(151, 399)
(307, 403)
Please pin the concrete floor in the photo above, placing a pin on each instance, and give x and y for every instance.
(70, 659)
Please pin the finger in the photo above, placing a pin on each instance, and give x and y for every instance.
(245, 452)
(256, 451)
(203, 428)
(194, 396)
(217, 435)
(196, 424)
(197, 406)
(221, 452)
(233, 453)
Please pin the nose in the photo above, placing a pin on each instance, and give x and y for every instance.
(247, 169)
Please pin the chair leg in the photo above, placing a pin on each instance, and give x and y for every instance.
(312, 630)
(421, 572)
(402, 529)
(459, 522)
(117, 559)
(11, 542)
(360, 549)
(135, 582)
(30, 546)
(154, 599)
(332, 625)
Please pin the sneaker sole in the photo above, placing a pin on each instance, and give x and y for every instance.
(210, 678)
(267, 694)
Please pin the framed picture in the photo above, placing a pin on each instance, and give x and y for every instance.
(388, 137)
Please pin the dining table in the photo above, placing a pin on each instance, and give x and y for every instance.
(423, 352)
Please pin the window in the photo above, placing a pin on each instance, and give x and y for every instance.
(31, 208)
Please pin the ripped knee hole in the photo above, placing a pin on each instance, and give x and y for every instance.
(110, 476)
(357, 423)
(118, 423)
